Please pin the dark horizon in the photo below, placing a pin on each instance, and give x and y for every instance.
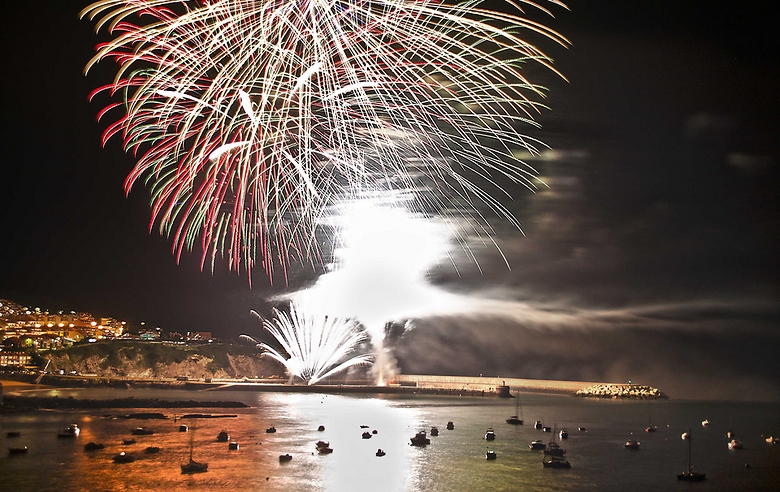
(653, 255)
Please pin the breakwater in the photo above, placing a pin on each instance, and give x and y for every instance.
(636, 391)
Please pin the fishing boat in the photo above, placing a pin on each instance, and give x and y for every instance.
(450, 425)
(434, 431)
(233, 446)
(490, 435)
(270, 430)
(689, 475)
(183, 428)
(380, 452)
(193, 466)
(514, 419)
(420, 439)
(490, 455)
(538, 424)
(70, 431)
(367, 435)
(563, 434)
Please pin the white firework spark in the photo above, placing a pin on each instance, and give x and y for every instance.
(314, 346)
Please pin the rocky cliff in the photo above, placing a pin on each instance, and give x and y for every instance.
(155, 360)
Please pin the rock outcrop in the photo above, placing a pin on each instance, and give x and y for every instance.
(154, 360)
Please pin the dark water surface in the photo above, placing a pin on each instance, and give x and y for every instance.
(455, 460)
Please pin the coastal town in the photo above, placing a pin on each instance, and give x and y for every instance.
(27, 331)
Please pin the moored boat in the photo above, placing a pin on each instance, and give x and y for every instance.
(490, 435)
(123, 458)
(490, 455)
(556, 462)
(631, 444)
(142, 431)
(183, 428)
(13, 434)
(366, 435)
(223, 436)
(420, 439)
(380, 452)
(689, 475)
(152, 450)
(434, 431)
(538, 424)
(233, 446)
(93, 446)
(735, 444)
(20, 450)
(563, 434)
(450, 425)
(537, 445)
(270, 430)
(285, 457)
(70, 431)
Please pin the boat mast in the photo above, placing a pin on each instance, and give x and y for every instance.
(689, 449)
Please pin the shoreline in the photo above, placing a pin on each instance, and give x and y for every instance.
(480, 387)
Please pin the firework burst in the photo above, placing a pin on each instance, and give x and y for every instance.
(314, 346)
(250, 118)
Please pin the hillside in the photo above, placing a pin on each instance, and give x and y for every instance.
(154, 360)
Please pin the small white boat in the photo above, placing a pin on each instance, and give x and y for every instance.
(490, 435)
(705, 423)
(735, 444)
(772, 440)
(71, 431)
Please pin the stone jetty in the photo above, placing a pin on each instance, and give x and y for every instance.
(636, 391)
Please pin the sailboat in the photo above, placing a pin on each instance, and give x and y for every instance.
(193, 466)
(553, 449)
(514, 419)
(689, 475)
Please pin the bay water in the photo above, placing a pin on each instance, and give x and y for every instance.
(454, 461)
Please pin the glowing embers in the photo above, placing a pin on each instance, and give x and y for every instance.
(314, 346)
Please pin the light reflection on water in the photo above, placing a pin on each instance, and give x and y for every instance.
(455, 460)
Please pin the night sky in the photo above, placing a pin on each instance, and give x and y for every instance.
(652, 257)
